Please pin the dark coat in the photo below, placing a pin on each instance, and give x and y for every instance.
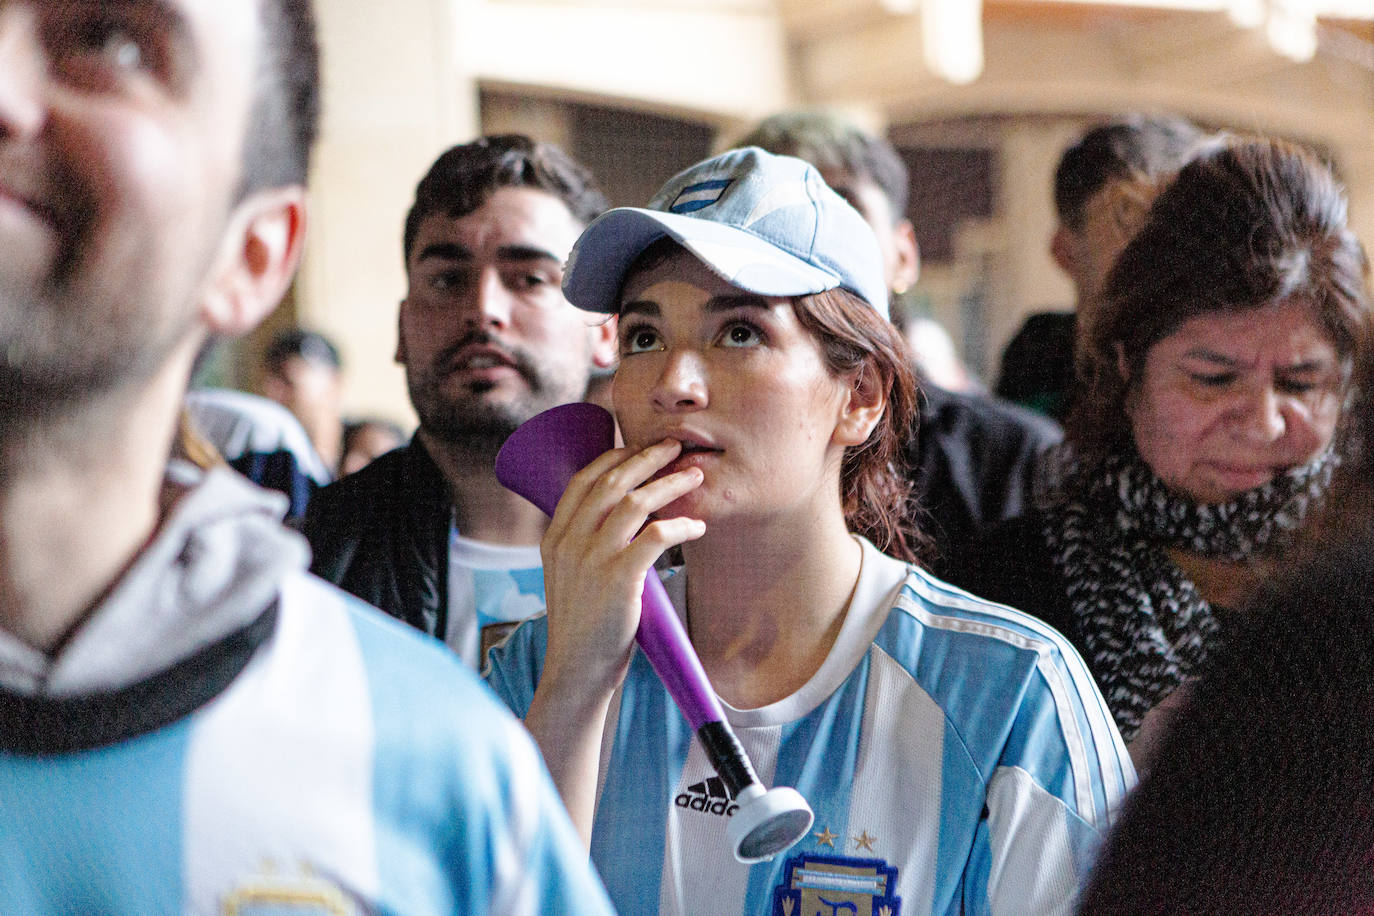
(973, 462)
(382, 534)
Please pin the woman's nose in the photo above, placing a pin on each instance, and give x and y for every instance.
(1260, 418)
(681, 385)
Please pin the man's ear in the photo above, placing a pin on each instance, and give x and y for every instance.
(261, 250)
(605, 346)
(864, 404)
(906, 266)
(1064, 251)
(1129, 207)
(400, 355)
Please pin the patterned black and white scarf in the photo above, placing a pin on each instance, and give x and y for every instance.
(1144, 625)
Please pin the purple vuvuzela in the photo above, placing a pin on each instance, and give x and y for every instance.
(538, 461)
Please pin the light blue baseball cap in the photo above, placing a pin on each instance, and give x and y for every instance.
(764, 223)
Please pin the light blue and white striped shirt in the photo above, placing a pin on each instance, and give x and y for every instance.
(337, 763)
(957, 755)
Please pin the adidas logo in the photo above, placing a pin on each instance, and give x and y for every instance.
(710, 796)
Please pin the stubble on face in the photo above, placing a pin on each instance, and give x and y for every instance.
(468, 420)
(128, 200)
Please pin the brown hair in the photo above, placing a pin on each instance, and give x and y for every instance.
(1246, 225)
(854, 338)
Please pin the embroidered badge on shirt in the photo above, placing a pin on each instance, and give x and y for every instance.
(304, 894)
(816, 885)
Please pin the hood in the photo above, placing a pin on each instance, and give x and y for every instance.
(214, 565)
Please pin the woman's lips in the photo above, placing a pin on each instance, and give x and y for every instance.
(1243, 477)
(691, 456)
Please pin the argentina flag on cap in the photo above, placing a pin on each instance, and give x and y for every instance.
(702, 194)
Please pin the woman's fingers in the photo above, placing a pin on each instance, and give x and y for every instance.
(628, 516)
(605, 484)
(600, 545)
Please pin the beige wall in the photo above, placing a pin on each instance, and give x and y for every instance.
(394, 97)
(402, 82)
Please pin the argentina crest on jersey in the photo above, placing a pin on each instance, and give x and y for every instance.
(816, 885)
(698, 196)
(273, 894)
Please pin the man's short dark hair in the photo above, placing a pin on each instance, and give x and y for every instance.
(1133, 146)
(461, 180)
(286, 101)
(828, 141)
(308, 345)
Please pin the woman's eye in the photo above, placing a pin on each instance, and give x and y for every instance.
(1296, 386)
(741, 335)
(1217, 380)
(639, 340)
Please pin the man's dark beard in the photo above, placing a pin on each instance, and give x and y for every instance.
(475, 430)
(470, 426)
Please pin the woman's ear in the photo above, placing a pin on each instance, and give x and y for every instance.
(865, 401)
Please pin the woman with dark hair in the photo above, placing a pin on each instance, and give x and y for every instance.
(1219, 379)
(955, 753)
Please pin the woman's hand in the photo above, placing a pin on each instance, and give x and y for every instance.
(597, 550)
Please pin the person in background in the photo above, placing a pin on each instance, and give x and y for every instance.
(426, 532)
(1102, 187)
(302, 371)
(1218, 389)
(190, 723)
(364, 441)
(259, 439)
(955, 752)
(933, 352)
(972, 458)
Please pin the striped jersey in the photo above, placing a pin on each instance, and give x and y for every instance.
(312, 758)
(956, 753)
(491, 588)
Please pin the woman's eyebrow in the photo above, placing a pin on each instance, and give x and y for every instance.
(736, 301)
(714, 305)
(1211, 356)
(641, 307)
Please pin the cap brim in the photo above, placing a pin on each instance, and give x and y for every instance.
(607, 248)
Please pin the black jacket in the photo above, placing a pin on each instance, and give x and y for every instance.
(382, 534)
(973, 461)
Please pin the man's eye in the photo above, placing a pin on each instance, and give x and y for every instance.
(122, 50)
(114, 41)
(446, 280)
(741, 334)
(1214, 380)
(93, 48)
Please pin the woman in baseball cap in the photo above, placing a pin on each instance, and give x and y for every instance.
(955, 753)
